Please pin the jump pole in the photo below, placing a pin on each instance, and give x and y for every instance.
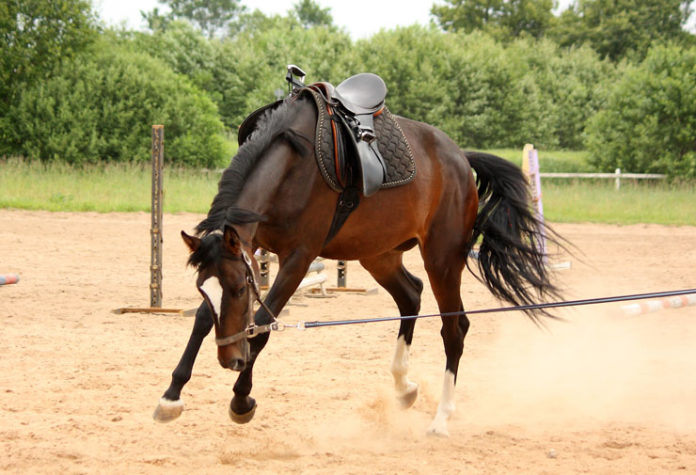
(649, 306)
(530, 167)
(6, 279)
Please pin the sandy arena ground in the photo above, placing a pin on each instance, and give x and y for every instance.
(601, 393)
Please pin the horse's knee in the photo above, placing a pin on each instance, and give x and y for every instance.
(464, 325)
(204, 321)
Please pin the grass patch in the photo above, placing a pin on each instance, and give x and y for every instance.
(598, 201)
(550, 161)
(53, 186)
(126, 187)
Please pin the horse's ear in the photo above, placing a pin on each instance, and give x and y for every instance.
(231, 241)
(192, 242)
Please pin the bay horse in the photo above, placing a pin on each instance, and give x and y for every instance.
(272, 196)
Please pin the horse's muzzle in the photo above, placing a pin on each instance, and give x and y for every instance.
(234, 357)
(235, 364)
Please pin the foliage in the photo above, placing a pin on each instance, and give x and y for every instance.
(253, 63)
(36, 36)
(101, 107)
(210, 16)
(484, 94)
(186, 51)
(459, 83)
(564, 88)
(506, 20)
(649, 123)
(311, 14)
(504, 73)
(623, 28)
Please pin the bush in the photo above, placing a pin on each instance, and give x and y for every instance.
(102, 106)
(567, 87)
(485, 94)
(649, 124)
(462, 84)
(252, 65)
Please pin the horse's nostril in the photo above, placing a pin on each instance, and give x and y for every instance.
(236, 364)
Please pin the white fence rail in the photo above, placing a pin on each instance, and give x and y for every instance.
(616, 176)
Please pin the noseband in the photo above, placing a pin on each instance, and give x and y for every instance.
(252, 329)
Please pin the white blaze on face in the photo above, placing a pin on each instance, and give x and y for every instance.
(212, 289)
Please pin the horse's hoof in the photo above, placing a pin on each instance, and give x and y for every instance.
(242, 418)
(438, 432)
(408, 398)
(438, 427)
(168, 410)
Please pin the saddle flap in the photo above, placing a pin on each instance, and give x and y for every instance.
(371, 168)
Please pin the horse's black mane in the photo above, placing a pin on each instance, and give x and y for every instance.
(273, 124)
(207, 253)
(209, 250)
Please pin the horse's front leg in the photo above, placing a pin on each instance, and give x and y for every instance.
(291, 272)
(170, 404)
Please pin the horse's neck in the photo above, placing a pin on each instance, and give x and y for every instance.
(271, 172)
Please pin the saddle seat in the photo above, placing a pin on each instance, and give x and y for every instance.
(363, 93)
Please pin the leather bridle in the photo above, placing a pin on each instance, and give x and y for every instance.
(252, 329)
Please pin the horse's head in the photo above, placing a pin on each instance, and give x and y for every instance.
(227, 276)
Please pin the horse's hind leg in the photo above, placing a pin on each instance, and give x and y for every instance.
(170, 405)
(405, 289)
(444, 272)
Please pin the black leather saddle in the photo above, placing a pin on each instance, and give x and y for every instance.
(354, 103)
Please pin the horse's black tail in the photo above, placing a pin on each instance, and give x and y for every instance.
(510, 258)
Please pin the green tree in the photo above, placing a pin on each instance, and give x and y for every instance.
(564, 88)
(186, 51)
(620, 28)
(252, 63)
(506, 19)
(210, 16)
(462, 84)
(311, 14)
(649, 121)
(100, 107)
(467, 15)
(526, 18)
(36, 36)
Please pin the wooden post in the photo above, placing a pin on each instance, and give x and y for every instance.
(264, 265)
(342, 270)
(617, 181)
(530, 165)
(156, 228)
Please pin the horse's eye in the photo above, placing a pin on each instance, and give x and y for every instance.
(241, 291)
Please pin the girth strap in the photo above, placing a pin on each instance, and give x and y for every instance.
(348, 200)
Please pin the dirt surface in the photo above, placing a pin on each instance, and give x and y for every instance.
(602, 392)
